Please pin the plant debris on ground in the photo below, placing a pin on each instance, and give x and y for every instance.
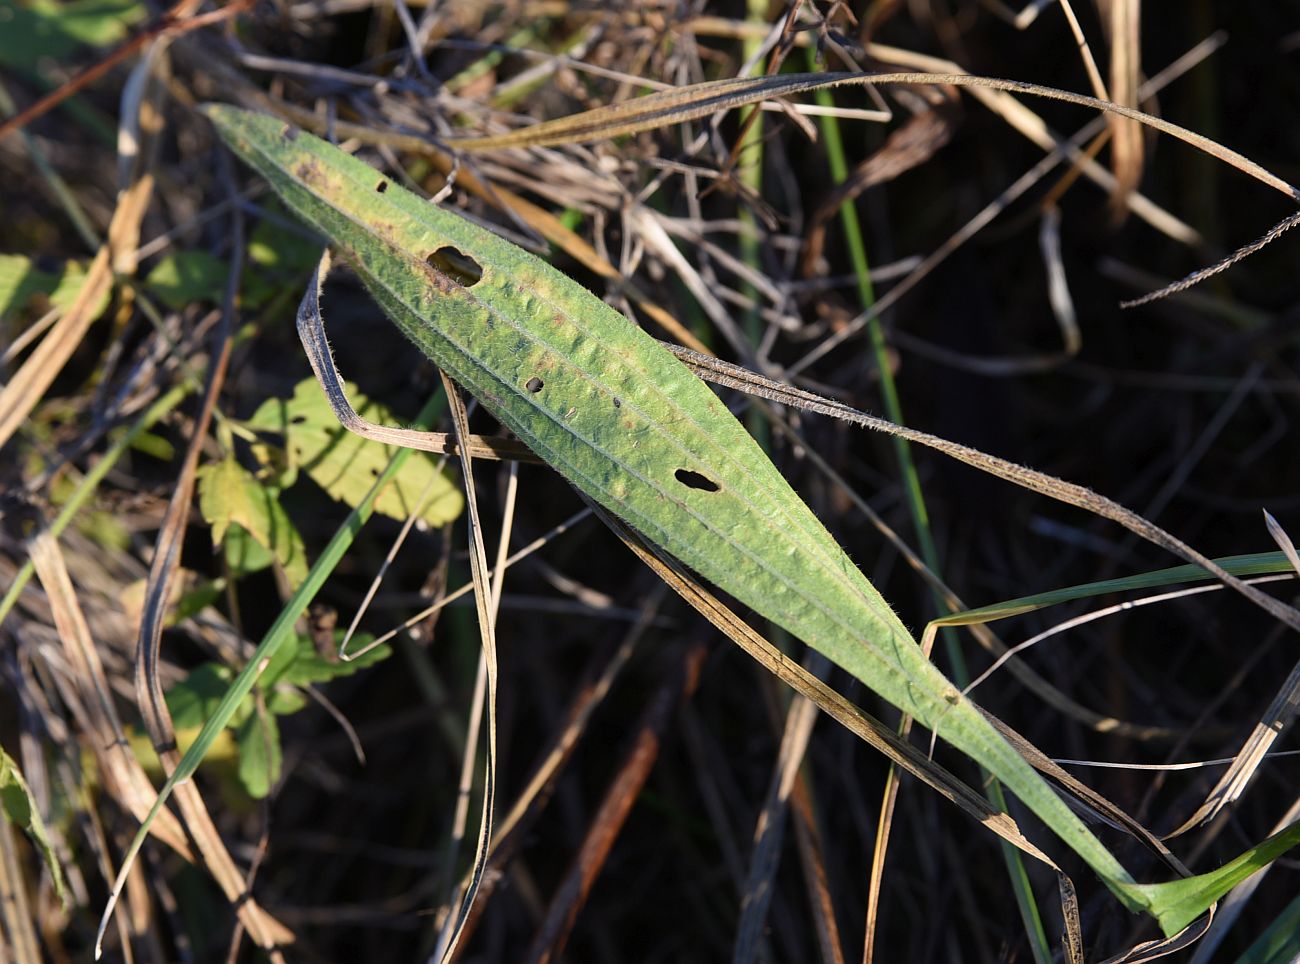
(951, 257)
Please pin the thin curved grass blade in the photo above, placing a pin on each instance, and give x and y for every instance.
(1249, 564)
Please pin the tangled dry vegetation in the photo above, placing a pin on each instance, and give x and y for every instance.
(952, 257)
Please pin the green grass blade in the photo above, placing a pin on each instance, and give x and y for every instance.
(1178, 903)
(1280, 943)
(1249, 564)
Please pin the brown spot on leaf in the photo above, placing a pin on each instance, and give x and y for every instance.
(309, 172)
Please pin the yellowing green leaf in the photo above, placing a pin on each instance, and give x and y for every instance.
(188, 276)
(230, 496)
(21, 281)
(302, 665)
(19, 808)
(258, 738)
(345, 465)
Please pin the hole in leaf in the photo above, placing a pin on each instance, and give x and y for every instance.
(693, 480)
(298, 420)
(290, 133)
(381, 187)
(460, 268)
(534, 384)
(618, 403)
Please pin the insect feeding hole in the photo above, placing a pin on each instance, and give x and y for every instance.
(381, 187)
(534, 384)
(460, 268)
(693, 480)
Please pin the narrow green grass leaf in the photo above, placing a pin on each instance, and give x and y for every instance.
(1249, 564)
(628, 424)
(1280, 943)
(1180, 902)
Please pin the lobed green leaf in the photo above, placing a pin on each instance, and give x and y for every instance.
(346, 465)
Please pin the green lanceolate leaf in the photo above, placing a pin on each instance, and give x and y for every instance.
(629, 425)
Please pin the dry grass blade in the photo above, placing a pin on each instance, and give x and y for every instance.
(1058, 288)
(620, 796)
(1085, 51)
(1196, 277)
(699, 100)
(22, 393)
(512, 829)
(1283, 540)
(733, 376)
(1123, 30)
(454, 924)
(17, 922)
(143, 122)
(124, 778)
(1277, 716)
(812, 853)
(652, 234)
(769, 828)
(1155, 950)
